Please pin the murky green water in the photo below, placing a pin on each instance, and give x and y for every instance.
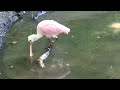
(90, 50)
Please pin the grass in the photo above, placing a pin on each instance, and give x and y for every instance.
(88, 56)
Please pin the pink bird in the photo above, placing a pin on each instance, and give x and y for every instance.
(48, 28)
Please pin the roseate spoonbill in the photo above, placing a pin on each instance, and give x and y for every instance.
(48, 28)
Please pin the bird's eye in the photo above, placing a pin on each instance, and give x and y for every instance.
(30, 40)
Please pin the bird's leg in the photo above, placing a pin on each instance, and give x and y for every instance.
(49, 43)
(56, 39)
(51, 40)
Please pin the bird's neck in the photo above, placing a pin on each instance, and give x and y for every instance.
(39, 35)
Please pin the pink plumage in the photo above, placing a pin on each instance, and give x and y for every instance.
(51, 28)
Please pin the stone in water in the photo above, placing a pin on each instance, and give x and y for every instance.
(72, 35)
(14, 42)
(98, 37)
(111, 67)
(11, 66)
(68, 64)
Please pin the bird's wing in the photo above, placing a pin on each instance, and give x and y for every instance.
(51, 29)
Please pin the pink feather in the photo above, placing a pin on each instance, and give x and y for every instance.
(51, 28)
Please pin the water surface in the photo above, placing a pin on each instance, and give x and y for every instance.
(90, 50)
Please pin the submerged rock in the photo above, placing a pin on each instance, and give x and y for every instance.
(11, 66)
(98, 36)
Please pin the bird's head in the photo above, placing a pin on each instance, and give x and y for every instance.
(32, 38)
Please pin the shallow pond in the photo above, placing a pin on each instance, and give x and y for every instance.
(90, 50)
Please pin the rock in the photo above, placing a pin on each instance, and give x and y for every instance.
(67, 64)
(1, 42)
(61, 65)
(6, 21)
(21, 20)
(98, 37)
(111, 67)
(11, 66)
(14, 42)
(38, 14)
(72, 35)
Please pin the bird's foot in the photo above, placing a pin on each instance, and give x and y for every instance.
(51, 40)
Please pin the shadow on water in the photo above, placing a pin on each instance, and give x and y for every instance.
(91, 50)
